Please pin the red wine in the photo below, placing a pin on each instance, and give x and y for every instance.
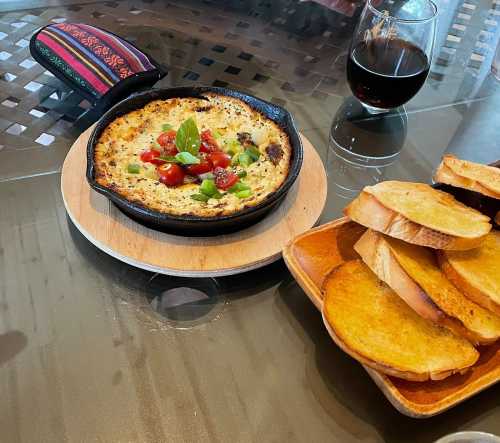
(386, 73)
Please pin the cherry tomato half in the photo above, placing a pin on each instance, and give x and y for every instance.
(219, 159)
(208, 142)
(151, 156)
(171, 174)
(167, 141)
(203, 167)
(224, 179)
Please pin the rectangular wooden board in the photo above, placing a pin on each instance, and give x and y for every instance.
(312, 255)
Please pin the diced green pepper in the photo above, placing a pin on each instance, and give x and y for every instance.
(237, 187)
(244, 194)
(133, 168)
(200, 197)
(253, 152)
(235, 160)
(152, 174)
(166, 127)
(208, 188)
(233, 146)
(245, 160)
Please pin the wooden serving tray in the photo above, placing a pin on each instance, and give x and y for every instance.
(312, 255)
(104, 225)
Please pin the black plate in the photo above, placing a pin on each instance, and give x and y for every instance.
(194, 225)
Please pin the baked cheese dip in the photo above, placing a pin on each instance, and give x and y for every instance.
(193, 156)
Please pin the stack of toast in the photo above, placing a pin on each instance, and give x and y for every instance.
(425, 291)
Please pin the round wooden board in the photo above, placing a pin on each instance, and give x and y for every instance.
(113, 232)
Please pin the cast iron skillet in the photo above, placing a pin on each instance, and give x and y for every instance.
(190, 224)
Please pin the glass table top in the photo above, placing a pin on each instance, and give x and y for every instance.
(92, 349)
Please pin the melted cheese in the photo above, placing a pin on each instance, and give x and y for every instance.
(122, 142)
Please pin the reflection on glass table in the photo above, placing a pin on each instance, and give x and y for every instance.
(362, 145)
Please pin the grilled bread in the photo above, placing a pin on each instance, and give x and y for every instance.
(419, 214)
(468, 175)
(476, 272)
(376, 327)
(414, 274)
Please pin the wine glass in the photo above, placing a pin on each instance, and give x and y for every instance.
(391, 52)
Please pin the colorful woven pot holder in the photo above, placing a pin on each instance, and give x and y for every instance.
(101, 66)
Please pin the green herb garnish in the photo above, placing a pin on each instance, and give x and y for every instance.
(166, 127)
(245, 159)
(232, 145)
(133, 168)
(237, 187)
(186, 158)
(216, 134)
(253, 152)
(242, 174)
(244, 194)
(235, 160)
(200, 197)
(208, 187)
(187, 138)
(169, 158)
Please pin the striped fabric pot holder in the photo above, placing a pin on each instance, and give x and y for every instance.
(101, 66)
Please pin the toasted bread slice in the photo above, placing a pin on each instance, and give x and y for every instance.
(476, 272)
(419, 214)
(469, 175)
(414, 274)
(376, 327)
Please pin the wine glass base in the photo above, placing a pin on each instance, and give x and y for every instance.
(362, 146)
(374, 109)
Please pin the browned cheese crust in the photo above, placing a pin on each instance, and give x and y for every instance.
(122, 142)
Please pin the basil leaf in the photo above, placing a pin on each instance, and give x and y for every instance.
(133, 168)
(244, 194)
(166, 127)
(168, 158)
(200, 197)
(187, 158)
(187, 138)
(253, 152)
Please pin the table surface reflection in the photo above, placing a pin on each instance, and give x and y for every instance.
(94, 350)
